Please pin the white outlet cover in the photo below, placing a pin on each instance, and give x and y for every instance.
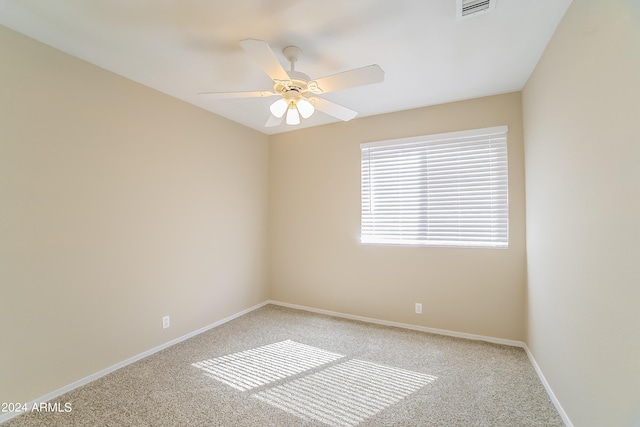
(165, 322)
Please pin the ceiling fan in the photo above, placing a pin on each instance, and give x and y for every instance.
(296, 90)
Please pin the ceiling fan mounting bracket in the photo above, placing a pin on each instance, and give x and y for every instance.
(292, 53)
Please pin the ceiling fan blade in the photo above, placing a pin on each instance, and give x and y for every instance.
(273, 121)
(333, 109)
(261, 53)
(228, 95)
(352, 78)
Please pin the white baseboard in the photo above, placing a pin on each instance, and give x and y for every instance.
(493, 340)
(512, 343)
(547, 387)
(93, 377)
(102, 373)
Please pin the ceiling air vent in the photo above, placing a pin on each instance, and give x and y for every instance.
(469, 8)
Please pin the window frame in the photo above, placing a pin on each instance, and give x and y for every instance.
(498, 153)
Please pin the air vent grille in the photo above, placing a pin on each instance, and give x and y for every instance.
(469, 8)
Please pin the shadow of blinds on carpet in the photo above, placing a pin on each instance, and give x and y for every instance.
(343, 394)
(262, 365)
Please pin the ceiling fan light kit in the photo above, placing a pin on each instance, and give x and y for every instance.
(294, 87)
(293, 118)
(279, 107)
(305, 108)
(291, 100)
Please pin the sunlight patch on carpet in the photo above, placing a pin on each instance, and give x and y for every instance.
(345, 394)
(262, 365)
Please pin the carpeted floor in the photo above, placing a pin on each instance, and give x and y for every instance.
(282, 367)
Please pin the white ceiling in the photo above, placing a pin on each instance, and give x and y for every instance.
(183, 47)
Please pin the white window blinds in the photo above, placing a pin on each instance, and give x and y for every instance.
(441, 190)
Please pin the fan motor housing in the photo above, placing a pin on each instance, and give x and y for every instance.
(297, 83)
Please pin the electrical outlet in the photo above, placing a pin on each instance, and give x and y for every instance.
(418, 308)
(165, 322)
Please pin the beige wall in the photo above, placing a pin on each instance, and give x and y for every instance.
(582, 121)
(118, 205)
(316, 259)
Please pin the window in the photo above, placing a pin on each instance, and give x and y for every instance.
(437, 190)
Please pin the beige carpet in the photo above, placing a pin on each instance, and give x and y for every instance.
(281, 367)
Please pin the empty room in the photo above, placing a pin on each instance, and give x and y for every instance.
(303, 213)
